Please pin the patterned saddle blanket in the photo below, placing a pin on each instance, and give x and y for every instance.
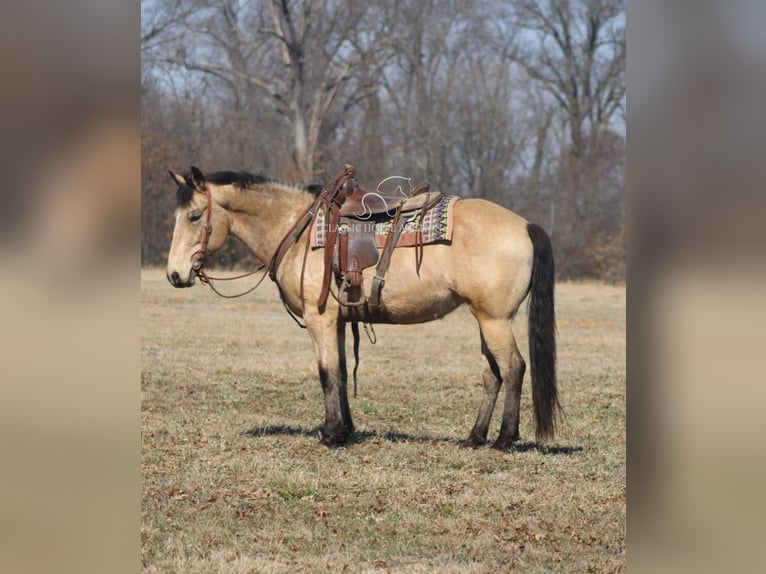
(437, 226)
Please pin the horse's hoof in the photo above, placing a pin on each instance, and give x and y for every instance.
(472, 442)
(504, 445)
(335, 438)
(328, 441)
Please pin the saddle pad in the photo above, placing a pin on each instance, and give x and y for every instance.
(437, 226)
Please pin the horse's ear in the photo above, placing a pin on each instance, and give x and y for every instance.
(198, 180)
(179, 179)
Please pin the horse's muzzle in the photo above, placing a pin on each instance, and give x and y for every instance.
(175, 280)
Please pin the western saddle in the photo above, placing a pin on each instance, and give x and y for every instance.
(351, 214)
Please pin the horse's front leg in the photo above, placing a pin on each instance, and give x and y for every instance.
(329, 338)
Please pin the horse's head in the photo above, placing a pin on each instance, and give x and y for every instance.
(201, 228)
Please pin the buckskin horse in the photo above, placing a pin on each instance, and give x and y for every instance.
(494, 261)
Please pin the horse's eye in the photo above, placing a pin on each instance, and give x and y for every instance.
(194, 217)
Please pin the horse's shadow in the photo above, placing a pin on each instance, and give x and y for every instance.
(365, 436)
(280, 430)
(359, 436)
(544, 448)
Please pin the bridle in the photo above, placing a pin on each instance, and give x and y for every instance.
(199, 263)
(200, 257)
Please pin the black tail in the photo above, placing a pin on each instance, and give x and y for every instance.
(542, 335)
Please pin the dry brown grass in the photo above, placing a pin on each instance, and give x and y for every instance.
(235, 481)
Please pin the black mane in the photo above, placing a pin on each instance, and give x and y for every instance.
(239, 179)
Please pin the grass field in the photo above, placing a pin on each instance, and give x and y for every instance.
(234, 480)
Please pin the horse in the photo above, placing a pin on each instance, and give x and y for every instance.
(495, 260)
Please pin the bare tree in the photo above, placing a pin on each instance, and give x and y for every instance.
(575, 49)
(299, 56)
(426, 41)
(489, 136)
(161, 22)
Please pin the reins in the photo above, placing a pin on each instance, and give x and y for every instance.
(205, 279)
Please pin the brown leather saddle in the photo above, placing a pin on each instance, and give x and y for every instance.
(356, 249)
(351, 214)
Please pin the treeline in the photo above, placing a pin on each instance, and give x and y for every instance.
(521, 103)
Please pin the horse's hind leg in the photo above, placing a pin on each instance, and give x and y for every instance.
(509, 427)
(496, 348)
(492, 380)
